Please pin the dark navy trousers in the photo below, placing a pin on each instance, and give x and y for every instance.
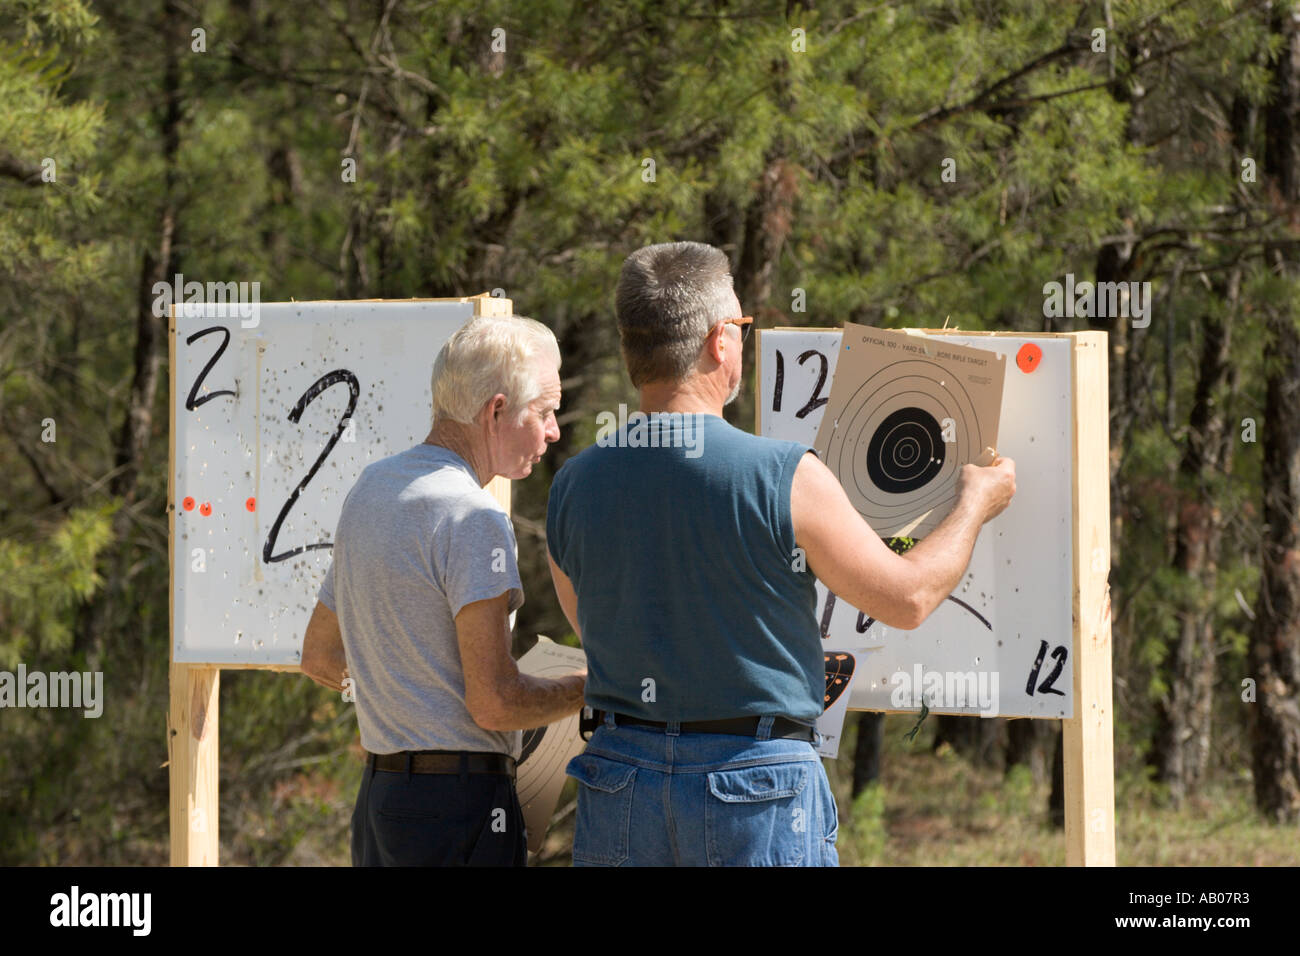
(424, 819)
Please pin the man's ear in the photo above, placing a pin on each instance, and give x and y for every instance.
(492, 411)
(714, 345)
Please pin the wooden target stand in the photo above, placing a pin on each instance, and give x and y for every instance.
(1089, 750)
(193, 713)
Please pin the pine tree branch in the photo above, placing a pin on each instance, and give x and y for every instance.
(985, 97)
(29, 174)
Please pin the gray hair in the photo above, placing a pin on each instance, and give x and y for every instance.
(669, 296)
(487, 355)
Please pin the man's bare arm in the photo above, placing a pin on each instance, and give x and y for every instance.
(497, 695)
(855, 564)
(845, 554)
(323, 657)
(567, 596)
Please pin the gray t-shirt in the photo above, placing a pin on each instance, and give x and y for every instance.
(417, 540)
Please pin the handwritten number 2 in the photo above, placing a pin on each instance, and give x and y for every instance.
(816, 401)
(327, 380)
(191, 401)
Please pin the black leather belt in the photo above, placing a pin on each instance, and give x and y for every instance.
(782, 728)
(441, 761)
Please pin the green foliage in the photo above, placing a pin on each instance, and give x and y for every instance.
(864, 837)
(41, 582)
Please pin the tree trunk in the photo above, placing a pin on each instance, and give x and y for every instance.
(137, 424)
(978, 739)
(1275, 638)
(768, 222)
(867, 750)
(149, 328)
(1029, 742)
(1181, 748)
(1056, 799)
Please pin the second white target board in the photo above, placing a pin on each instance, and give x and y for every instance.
(1002, 642)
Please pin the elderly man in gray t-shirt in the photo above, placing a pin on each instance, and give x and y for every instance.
(415, 612)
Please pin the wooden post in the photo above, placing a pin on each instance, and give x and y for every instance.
(1089, 737)
(192, 763)
(500, 490)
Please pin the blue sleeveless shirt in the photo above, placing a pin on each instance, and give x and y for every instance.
(679, 542)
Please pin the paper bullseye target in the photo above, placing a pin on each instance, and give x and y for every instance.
(901, 423)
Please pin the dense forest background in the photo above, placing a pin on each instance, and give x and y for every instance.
(892, 163)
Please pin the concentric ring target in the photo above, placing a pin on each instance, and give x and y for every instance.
(888, 448)
(906, 451)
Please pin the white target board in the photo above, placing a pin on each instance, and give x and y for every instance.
(272, 425)
(1002, 643)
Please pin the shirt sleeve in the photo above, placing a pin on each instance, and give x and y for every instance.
(326, 593)
(478, 557)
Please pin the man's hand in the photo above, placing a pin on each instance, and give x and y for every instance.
(990, 486)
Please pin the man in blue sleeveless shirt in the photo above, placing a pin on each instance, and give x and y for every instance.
(675, 549)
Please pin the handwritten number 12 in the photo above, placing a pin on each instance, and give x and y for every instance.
(1060, 653)
(817, 400)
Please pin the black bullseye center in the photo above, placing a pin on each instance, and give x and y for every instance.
(906, 451)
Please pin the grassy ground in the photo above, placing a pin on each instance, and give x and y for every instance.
(935, 809)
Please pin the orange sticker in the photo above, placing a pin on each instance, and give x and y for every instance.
(1028, 357)
(251, 504)
(188, 504)
(205, 509)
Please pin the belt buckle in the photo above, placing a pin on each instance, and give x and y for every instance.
(587, 723)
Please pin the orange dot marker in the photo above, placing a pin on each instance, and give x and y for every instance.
(251, 504)
(1028, 357)
(205, 509)
(188, 504)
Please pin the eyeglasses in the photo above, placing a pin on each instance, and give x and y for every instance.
(745, 321)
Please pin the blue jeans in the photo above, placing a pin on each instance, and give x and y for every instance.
(650, 797)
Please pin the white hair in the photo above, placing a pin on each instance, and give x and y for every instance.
(487, 355)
